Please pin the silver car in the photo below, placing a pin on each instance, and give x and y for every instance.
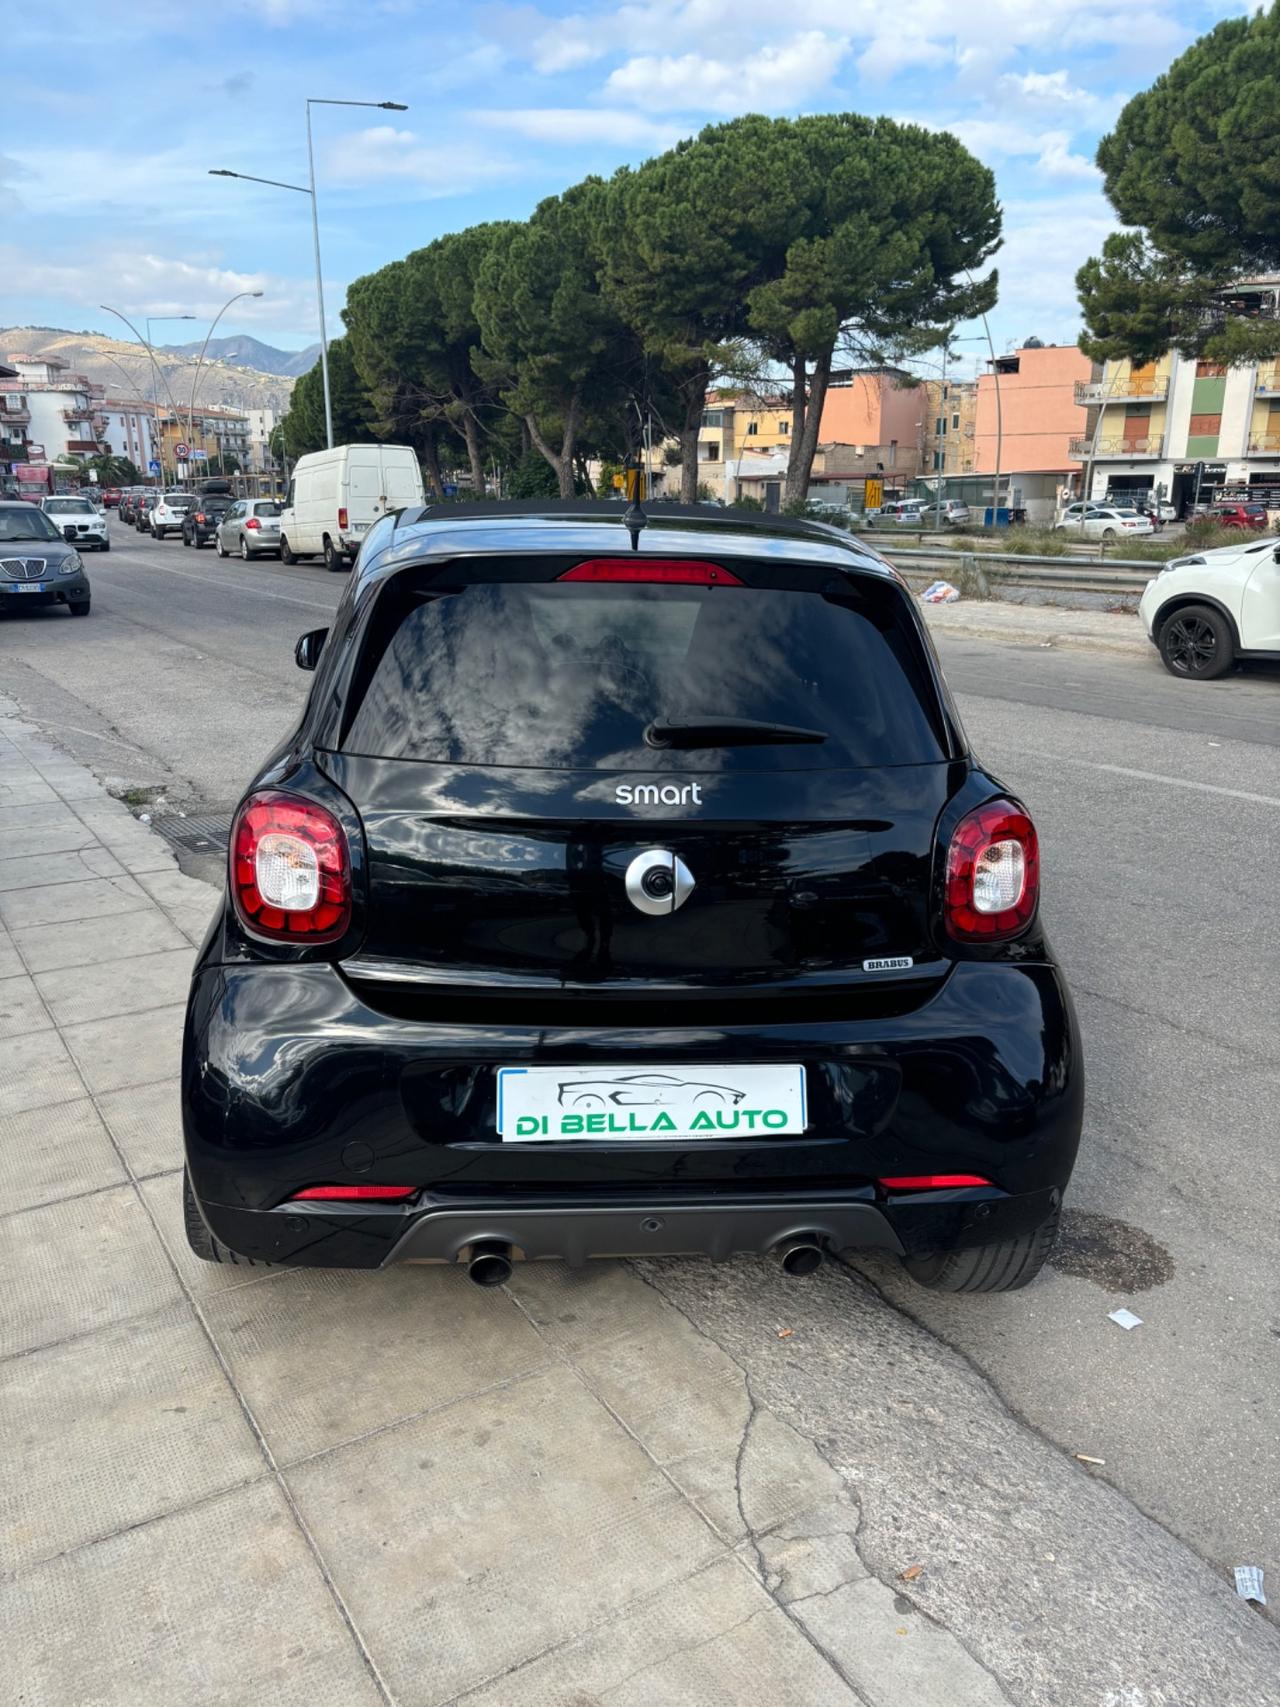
(78, 521)
(250, 528)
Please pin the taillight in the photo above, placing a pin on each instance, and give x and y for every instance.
(342, 518)
(199, 515)
(354, 1194)
(290, 869)
(253, 522)
(993, 874)
(930, 1182)
(675, 571)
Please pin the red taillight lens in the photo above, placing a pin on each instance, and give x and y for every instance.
(930, 1182)
(290, 870)
(253, 522)
(342, 518)
(353, 1194)
(993, 874)
(675, 571)
(199, 515)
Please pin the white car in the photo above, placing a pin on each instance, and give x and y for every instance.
(169, 512)
(1104, 521)
(1208, 611)
(909, 513)
(79, 521)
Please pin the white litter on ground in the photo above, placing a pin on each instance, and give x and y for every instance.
(940, 593)
(1249, 1583)
(1125, 1319)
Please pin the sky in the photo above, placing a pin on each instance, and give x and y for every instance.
(105, 196)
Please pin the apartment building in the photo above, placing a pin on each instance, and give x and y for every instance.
(63, 409)
(210, 435)
(129, 428)
(950, 427)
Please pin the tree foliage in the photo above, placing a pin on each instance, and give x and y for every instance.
(302, 426)
(1192, 166)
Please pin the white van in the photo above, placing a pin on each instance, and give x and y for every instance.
(336, 495)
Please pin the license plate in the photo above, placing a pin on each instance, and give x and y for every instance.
(547, 1105)
(30, 587)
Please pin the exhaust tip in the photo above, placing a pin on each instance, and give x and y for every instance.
(490, 1264)
(801, 1256)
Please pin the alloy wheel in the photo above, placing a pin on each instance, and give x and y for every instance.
(1191, 645)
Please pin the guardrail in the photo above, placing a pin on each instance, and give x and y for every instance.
(1126, 575)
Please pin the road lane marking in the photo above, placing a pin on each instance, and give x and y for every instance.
(204, 581)
(1153, 776)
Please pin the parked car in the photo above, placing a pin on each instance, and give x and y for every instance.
(953, 512)
(1207, 612)
(142, 511)
(907, 512)
(337, 495)
(531, 832)
(128, 498)
(200, 524)
(38, 566)
(1252, 516)
(250, 528)
(80, 521)
(111, 497)
(1104, 521)
(169, 512)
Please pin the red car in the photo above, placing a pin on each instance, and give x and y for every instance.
(1240, 516)
(110, 497)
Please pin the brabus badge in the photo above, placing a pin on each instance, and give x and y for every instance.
(890, 963)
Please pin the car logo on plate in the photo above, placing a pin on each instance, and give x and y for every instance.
(657, 882)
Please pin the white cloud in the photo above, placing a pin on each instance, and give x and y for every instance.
(1046, 241)
(1057, 161)
(1052, 89)
(567, 44)
(575, 125)
(772, 78)
(435, 168)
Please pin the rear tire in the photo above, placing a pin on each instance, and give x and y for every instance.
(219, 548)
(286, 555)
(333, 558)
(186, 539)
(202, 1241)
(1004, 1266)
(1197, 645)
(244, 549)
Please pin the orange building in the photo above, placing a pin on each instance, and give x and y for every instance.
(883, 413)
(1040, 412)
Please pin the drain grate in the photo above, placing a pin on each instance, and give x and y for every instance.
(197, 833)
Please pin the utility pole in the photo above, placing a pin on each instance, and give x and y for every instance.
(941, 468)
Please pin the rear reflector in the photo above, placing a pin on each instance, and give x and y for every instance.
(674, 571)
(342, 518)
(930, 1182)
(353, 1194)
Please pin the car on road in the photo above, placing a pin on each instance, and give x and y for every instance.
(147, 501)
(907, 513)
(169, 512)
(200, 524)
(80, 521)
(128, 498)
(1251, 516)
(336, 496)
(563, 811)
(110, 497)
(38, 566)
(250, 528)
(1211, 610)
(1104, 521)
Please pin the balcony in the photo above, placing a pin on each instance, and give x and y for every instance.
(1267, 384)
(86, 447)
(71, 416)
(1130, 390)
(14, 417)
(1265, 444)
(1127, 449)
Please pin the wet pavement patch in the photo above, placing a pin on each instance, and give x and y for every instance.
(1111, 1253)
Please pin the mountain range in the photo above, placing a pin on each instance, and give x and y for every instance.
(237, 373)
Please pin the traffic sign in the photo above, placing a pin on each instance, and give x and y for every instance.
(153, 467)
(182, 452)
(199, 456)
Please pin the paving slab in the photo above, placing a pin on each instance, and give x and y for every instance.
(473, 1539)
(10, 964)
(129, 985)
(74, 1266)
(51, 1153)
(47, 948)
(146, 1122)
(21, 1009)
(36, 1071)
(129, 1049)
(395, 1335)
(67, 903)
(713, 1640)
(219, 1606)
(112, 1429)
(28, 871)
(64, 835)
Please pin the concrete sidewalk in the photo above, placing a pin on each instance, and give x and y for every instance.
(646, 1485)
(1041, 625)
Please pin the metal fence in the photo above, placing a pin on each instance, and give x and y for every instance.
(1122, 575)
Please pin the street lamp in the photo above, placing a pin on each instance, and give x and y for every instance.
(310, 190)
(195, 378)
(155, 367)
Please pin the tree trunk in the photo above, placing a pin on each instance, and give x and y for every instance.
(561, 460)
(471, 433)
(800, 461)
(695, 401)
(799, 390)
(431, 456)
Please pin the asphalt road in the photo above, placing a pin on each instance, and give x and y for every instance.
(1158, 805)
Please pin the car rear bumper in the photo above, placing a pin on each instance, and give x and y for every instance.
(292, 1079)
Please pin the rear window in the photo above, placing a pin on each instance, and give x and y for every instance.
(570, 676)
(266, 509)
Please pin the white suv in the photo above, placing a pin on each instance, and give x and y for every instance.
(169, 513)
(1208, 611)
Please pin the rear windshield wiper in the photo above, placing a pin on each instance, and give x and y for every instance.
(725, 732)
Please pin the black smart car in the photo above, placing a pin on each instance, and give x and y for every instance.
(615, 900)
(38, 566)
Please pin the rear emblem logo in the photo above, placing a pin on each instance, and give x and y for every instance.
(657, 882)
(658, 794)
(889, 963)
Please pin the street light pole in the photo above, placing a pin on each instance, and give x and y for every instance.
(155, 369)
(309, 189)
(195, 378)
